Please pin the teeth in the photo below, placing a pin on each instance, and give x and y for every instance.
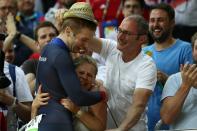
(81, 51)
(157, 30)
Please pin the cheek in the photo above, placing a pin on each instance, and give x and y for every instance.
(195, 54)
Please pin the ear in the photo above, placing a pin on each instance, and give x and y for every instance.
(144, 39)
(172, 23)
(68, 31)
(37, 44)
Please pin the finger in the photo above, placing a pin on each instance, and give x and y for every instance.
(185, 67)
(181, 67)
(40, 89)
(191, 68)
(64, 101)
(45, 99)
(44, 95)
(43, 103)
(194, 74)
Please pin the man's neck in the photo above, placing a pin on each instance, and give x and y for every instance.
(163, 45)
(64, 38)
(127, 57)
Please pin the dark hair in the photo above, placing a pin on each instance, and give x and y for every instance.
(42, 25)
(85, 59)
(77, 23)
(193, 39)
(141, 2)
(167, 8)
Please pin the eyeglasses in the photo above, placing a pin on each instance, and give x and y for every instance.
(125, 32)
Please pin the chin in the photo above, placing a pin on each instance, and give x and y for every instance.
(121, 47)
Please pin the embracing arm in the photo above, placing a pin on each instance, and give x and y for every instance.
(94, 119)
(95, 44)
(41, 99)
(71, 83)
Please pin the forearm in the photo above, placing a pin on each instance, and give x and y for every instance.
(34, 112)
(87, 98)
(172, 106)
(29, 42)
(95, 45)
(91, 122)
(8, 42)
(132, 117)
(23, 111)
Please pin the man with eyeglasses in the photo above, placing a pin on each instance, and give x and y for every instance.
(131, 75)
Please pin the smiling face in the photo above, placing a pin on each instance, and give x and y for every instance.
(79, 41)
(87, 74)
(160, 26)
(128, 38)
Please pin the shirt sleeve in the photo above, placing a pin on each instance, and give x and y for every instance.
(147, 76)
(171, 86)
(23, 92)
(108, 47)
(71, 84)
(187, 54)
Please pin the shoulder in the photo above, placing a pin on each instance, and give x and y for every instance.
(183, 44)
(146, 60)
(19, 71)
(109, 41)
(175, 77)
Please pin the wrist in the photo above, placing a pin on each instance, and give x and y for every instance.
(15, 102)
(18, 35)
(79, 113)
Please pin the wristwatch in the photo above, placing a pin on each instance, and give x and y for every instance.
(79, 113)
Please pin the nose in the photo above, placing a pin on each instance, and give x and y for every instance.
(155, 23)
(48, 39)
(84, 76)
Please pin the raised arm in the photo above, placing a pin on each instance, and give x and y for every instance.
(172, 105)
(95, 44)
(13, 34)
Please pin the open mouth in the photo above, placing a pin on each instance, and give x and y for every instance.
(82, 51)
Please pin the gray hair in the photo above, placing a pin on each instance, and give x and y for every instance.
(142, 25)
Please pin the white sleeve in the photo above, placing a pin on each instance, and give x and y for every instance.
(23, 92)
(147, 76)
(172, 85)
(108, 46)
